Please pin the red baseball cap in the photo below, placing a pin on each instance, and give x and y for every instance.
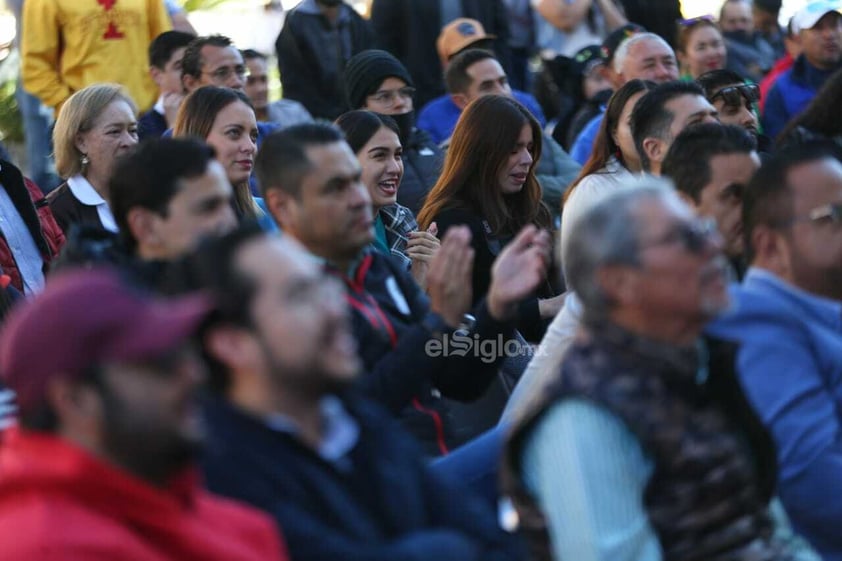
(84, 318)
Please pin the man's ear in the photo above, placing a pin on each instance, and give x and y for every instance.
(460, 100)
(189, 82)
(654, 148)
(618, 283)
(155, 74)
(78, 407)
(771, 251)
(232, 346)
(282, 206)
(142, 226)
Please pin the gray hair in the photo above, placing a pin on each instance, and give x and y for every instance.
(622, 51)
(607, 234)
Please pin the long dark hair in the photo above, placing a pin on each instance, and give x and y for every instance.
(824, 113)
(604, 145)
(482, 141)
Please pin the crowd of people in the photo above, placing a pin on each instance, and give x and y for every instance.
(431, 304)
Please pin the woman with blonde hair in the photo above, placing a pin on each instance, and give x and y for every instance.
(95, 126)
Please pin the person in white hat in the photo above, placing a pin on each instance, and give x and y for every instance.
(819, 27)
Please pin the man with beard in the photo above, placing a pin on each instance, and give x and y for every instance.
(819, 28)
(642, 446)
(101, 464)
(788, 321)
(710, 165)
(290, 435)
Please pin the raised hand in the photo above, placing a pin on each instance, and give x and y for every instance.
(449, 276)
(517, 271)
(421, 248)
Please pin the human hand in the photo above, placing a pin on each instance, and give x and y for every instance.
(421, 248)
(550, 307)
(172, 101)
(449, 276)
(517, 271)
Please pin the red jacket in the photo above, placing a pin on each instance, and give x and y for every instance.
(782, 65)
(57, 502)
(32, 207)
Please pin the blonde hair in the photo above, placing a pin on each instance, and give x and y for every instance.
(77, 116)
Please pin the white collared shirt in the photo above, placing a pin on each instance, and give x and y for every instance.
(87, 195)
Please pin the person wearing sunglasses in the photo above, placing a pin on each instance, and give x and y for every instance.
(736, 102)
(377, 81)
(642, 442)
(787, 321)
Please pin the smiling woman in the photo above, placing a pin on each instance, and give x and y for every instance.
(224, 118)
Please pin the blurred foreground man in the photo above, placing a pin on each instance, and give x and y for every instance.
(288, 432)
(643, 445)
(788, 321)
(101, 465)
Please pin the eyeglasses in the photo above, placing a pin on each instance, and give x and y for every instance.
(695, 236)
(737, 95)
(387, 98)
(224, 73)
(830, 213)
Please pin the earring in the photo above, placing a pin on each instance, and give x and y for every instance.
(85, 160)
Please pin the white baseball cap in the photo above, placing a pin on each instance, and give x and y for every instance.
(809, 15)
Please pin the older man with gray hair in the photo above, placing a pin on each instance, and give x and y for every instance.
(643, 55)
(643, 445)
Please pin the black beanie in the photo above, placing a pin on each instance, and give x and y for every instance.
(366, 71)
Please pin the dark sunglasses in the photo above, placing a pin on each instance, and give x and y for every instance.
(694, 236)
(737, 95)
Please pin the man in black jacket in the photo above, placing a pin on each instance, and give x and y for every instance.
(289, 435)
(317, 40)
(311, 183)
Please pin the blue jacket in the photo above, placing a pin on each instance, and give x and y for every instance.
(439, 116)
(583, 146)
(790, 366)
(378, 502)
(792, 92)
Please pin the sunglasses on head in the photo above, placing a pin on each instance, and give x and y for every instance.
(737, 95)
(695, 21)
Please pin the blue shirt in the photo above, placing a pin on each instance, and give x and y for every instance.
(790, 366)
(439, 116)
(24, 249)
(583, 146)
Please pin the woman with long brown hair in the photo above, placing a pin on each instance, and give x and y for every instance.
(224, 118)
(613, 158)
(488, 183)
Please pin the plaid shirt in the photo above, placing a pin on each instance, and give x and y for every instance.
(399, 222)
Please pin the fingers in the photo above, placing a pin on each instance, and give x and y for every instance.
(423, 239)
(433, 229)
